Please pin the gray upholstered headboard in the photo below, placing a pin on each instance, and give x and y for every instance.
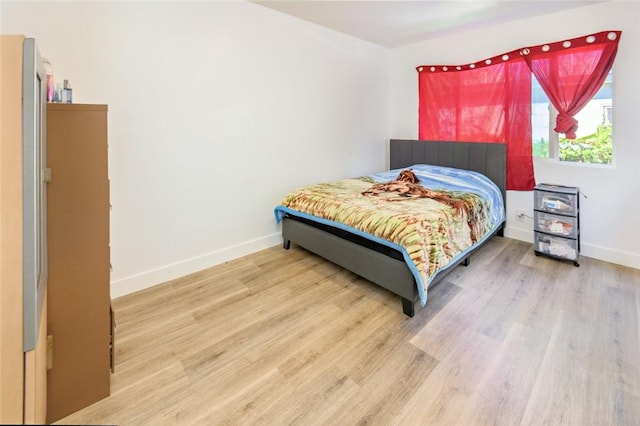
(486, 158)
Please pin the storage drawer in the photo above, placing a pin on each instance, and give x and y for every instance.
(565, 248)
(556, 199)
(565, 226)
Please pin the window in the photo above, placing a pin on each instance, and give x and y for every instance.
(593, 144)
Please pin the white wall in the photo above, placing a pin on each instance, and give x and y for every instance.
(216, 109)
(610, 216)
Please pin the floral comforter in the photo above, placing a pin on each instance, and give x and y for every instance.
(430, 234)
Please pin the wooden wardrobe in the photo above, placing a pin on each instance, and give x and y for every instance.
(79, 303)
(23, 375)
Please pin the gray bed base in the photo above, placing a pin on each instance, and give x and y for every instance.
(387, 272)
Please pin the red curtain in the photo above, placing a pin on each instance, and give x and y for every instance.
(571, 72)
(489, 101)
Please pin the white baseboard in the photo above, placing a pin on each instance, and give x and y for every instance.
(519, 234)
(154, 277)
(166, 273)
(632, 260)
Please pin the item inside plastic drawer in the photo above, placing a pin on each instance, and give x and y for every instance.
(557, 247)
(557, 226)
(555, 204)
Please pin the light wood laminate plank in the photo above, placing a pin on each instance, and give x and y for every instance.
(284, 337)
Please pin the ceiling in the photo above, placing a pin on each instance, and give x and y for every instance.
(396, 23)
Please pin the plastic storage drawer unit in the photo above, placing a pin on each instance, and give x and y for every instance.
(556, 222)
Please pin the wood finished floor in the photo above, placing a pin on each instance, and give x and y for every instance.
(284, 337)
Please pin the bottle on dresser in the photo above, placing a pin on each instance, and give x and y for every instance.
(67, 93)
(50, 86)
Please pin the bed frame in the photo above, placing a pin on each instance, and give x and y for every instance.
(386, 269)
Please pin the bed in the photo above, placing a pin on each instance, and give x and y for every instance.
(386, 263)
